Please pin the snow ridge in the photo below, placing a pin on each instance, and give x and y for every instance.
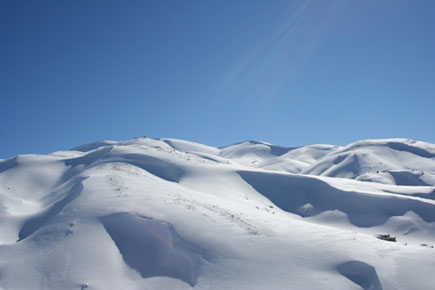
(172, 214)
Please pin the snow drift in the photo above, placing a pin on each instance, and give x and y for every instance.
(172, 214)
(152, 247)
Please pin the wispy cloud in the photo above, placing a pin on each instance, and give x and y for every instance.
(280, 53)
(272, 61)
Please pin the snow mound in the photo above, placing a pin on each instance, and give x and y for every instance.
(34, 223)
(390, 161)
(252, 153)
(308, 196)
(153, 248)
(361, 273)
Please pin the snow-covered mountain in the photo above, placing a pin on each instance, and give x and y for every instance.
(172, 214)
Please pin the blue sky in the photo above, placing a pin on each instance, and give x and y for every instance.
(217, 72)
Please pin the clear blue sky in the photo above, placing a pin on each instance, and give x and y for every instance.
(217, 72)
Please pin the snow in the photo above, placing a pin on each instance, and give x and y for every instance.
(379, 160)
(361, 273)
(172, 214)
(152, 248)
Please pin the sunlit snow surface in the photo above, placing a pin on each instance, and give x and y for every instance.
(172, 214)
(152, 248)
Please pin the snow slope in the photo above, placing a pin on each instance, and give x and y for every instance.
(394, 161)
(389, 161)
(172, 214)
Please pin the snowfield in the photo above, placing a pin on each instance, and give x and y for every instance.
(172, 214)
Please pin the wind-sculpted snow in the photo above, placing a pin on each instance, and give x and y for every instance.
(152, 247)
(90, 158)
(377, 160)
(407, 178)
(93, 146)
(7, 164)
(402, 146)
(151, 164)
(253, 153)
(292, 192)
(254, 147)
(42, 219)
(361, 273)
(367, 160)
(172, 214)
